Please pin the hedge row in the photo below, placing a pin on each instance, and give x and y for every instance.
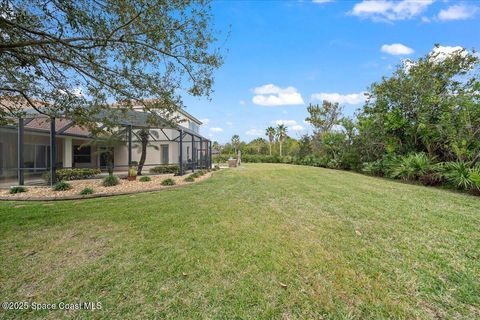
(169, 168)
(72, 174)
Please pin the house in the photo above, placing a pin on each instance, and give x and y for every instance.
(27, 147)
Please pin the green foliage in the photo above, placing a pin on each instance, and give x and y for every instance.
(190, 178)
(202, 172)
(86, 191)
(72, 174)
(123, 51)
(375, 168)
(132, 172)
(110, 181)
(61, 186)
(163, 169)
(410, 167)
(145, 179)
(17, 189)
(168, 182)
(461, 176)
(324, 117)
(196, 174)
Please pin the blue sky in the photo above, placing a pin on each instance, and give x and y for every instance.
(283, 55)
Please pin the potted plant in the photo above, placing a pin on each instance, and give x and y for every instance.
(132, 173)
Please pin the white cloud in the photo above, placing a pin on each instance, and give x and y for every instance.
(216, 129)
(352, 98)
(440, 53)
(287, 123)
(296, 127)
(457, 12)
(228, 123)
(426, 20)
(205, 120)
(242, 102)
(271, 95)
(387, 10)
(322, 1)
(396, 49)
(254, 132)
(292, 125)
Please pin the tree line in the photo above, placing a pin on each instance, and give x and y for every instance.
(421, 123)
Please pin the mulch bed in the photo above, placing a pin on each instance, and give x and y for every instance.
(45, 193)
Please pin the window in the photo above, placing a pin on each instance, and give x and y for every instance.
(193, 126)
(82, 155)
(36, 156)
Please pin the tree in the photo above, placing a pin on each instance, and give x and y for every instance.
(270, 133)
(144, 136)
(258, 144)
(323, 117)
(104, 143)
(430, 105)
(235, 142)
(305, 146)
(216, 146)
(72, 57)
(281, 133)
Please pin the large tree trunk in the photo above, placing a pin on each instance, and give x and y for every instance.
(270, 147)
(110, 162)
(143, 157)
(280, 148)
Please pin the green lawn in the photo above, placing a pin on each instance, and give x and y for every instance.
(345, 245)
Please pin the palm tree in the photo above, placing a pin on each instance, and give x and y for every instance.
(235, 142)
(270, 133)
(105, 144)
(144, 136)
(281, 135)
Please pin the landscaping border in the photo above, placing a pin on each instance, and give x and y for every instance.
(100, 195)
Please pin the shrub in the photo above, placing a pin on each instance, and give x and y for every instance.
(17, 189)
(110, 181)
(145, 179)
(86, 191)
(169, 168)
(168, 182)
(410, 167)
(72, 174)
(190, 178)
(132, 171)
(374, 168)
(461, 176)
(202, 172)
(61, 186)
(195, 175)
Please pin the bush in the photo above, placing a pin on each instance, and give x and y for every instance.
(202, 172)
(410, 167)
(86, 191)
(61, 186)
(72, 174)
(132, 171)
(110, 181)
(190, 178)
(461, 176)
(17, 189)
(195, 175)
(169, 168)
(145, 179)
(374, 168)
(168, 182)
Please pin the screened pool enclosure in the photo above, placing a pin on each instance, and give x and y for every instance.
(38, 145)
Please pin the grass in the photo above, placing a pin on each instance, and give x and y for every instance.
(257, 242)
